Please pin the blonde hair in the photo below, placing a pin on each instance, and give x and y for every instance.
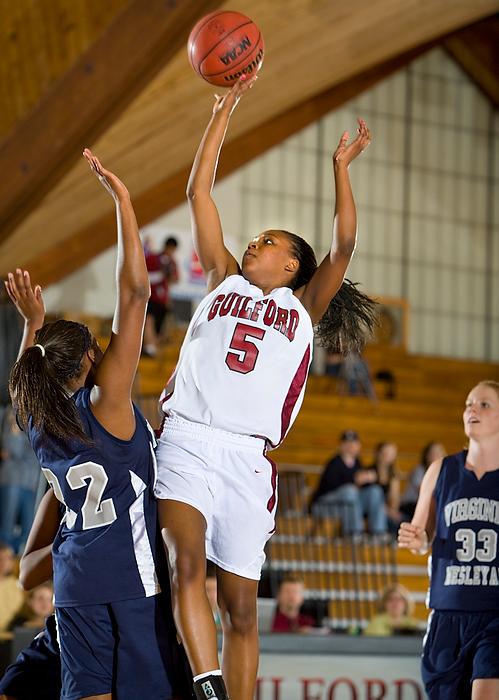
(491, 384)
(401, 591)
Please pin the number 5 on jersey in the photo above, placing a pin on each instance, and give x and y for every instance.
(245, 357)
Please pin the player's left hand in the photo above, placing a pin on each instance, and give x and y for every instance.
(28, 301)
(346, 152)
(109, 180)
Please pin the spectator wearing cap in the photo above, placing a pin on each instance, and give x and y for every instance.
(348, 491)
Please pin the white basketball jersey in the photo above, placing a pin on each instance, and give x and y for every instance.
(244, 361)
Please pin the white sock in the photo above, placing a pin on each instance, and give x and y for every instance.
(216, 672)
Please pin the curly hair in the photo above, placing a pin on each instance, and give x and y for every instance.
(351, 315)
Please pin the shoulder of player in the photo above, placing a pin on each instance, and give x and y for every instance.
(431, 476)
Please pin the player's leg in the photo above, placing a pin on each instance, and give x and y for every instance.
(486, 658)
(87, 645)
(237, 599)
(183, 528)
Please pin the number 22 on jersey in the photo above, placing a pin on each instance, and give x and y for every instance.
(95, 511)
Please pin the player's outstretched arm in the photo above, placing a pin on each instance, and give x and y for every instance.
(36, 561)
(111, 397)
(317, 294)
(418, 534)
(28, 302)
(216, 261)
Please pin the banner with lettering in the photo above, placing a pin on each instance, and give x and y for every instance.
(334, 677)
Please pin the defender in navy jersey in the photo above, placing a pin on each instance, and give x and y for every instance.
(96, 451)
(236, 391)
(458, 511)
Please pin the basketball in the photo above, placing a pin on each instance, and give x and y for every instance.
(224, 45)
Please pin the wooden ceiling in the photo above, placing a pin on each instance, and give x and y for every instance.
(119, 81)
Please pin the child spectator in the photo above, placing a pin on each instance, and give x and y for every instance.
(39, 605)
(394, 614)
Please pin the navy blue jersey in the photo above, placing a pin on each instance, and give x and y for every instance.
(464, 561)
(105, 548)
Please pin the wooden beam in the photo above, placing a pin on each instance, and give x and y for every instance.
(66, 257)
(88, 98)
(476, 50)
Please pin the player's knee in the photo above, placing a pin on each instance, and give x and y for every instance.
(241, 618)
(187, 568)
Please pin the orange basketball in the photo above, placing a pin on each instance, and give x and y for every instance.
(224, 45)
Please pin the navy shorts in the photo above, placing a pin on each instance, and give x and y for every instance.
(459, 648)
(126, 648)
(36, 673)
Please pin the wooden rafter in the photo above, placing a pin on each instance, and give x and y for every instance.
(66, 257)
(476, 49)
(88, 98)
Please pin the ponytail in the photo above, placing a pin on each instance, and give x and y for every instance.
(351, 315)
(39, 379)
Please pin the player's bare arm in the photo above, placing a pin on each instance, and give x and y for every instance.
(217, 262)
(111, 397)
(36, 562)
(29, 303)
(418, 534)
(323, 286)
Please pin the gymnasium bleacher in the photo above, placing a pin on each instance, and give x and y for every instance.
(344, 575)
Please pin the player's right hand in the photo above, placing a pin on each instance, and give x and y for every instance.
(412, 537)
(28, 301)
(110, 182)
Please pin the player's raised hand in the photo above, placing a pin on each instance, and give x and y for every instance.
(109, 180)
(28, 301)
(232, 97)
(412, 537)
(346, 152)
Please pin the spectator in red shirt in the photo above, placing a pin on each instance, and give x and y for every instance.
(163, 271)
(290, 597)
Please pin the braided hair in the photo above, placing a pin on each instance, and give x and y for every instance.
(351, 315)
(39, 379)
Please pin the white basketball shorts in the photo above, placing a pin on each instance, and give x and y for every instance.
(228, 478)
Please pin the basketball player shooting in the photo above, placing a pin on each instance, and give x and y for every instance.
(236, 391)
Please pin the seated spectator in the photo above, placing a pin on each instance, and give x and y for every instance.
(19, 478)
(39, 605)
(385, 457)
(334, 361)
(394, 616)
(355, 372)
(290, 598)
(11, 595)
(350, 492)
(431, 452)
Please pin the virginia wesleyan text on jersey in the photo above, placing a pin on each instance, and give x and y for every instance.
(105, 548)
(244, 361)
(465, 573)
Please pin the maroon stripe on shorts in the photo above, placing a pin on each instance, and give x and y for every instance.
(273, 480)
(294, 392)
